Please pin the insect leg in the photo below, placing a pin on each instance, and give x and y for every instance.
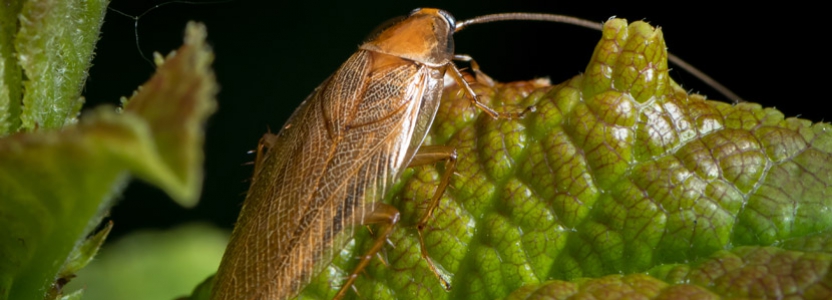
(475, 67)
(460, 79)
(266, 142)
(387, 216)
(425, 156)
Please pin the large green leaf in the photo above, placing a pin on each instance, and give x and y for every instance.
(56, 185)
(620, 183)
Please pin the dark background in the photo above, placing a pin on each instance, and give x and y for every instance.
(269, 56)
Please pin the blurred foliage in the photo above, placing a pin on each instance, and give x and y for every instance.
(153, 264)
(60, 175)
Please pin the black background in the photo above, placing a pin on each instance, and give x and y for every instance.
(270, 55)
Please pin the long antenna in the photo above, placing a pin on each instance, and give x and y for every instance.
(530, 17)
(136, 19)
(597, 26)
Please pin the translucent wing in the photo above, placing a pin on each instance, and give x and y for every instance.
(324, 171)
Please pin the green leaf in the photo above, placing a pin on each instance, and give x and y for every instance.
(157, 264)
(81, 256)
(77, 260)
(10, 72)
(56, 185)
(619, 183)
(203, 290)
(744, 272)
(54, 47)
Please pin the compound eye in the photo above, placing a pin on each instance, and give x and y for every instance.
(450, 18)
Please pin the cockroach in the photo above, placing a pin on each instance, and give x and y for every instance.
(328, 168)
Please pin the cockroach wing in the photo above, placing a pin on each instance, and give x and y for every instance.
(427, 111)
(323, 173)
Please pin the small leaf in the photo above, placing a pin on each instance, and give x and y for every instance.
(54, 47)
(77, 260)
(81, 256)
(186, 75)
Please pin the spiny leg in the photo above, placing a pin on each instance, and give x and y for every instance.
(383, 260)
(385, 215)
(460, 79)
(428, 155)
(475, 67)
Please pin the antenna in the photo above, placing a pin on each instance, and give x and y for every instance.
(708, 80)
(136, 19)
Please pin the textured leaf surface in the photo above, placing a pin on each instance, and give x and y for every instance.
(744, 272)
(54, 47)
(620, 184)
(10, 73)
(55, 186)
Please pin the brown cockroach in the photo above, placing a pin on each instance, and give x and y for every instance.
(328, 168)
